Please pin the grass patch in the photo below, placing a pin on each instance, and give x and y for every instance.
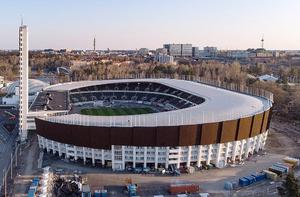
(116, 111)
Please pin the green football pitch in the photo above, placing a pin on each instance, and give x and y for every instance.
(116, 111)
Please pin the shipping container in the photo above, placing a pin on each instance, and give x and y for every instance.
(97, 193)
(278, 171)
(291, 160)
(286, 169)
(34, 188)
(228, 185)
(86, 194)
(291, 166)
(260, 176)
(243, 182)
(235, 184)
(251, 179)
(104, 193)
(183, 188)
(131, 188)
(270, 175)
(254, 177)
(288, 165)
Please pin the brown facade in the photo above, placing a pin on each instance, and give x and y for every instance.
(229, 130)
(185, 135)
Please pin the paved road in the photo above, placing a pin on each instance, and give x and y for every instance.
(6, 146)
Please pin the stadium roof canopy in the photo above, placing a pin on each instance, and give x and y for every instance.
(219, 105)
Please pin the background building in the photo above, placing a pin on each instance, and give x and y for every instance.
(210, 51)
(238, 54)
(179, 50)
(161, 51)
(164, 59)
(196, 52)
(186, 50)
(143, 51)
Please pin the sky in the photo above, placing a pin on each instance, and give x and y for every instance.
(133, 24)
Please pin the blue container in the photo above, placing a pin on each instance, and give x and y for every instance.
(131, 189)
(86, 194)
(36, 179)
(243, 182)
(35, 184)
(234, 184)
(31, 193)
(259, 176)
(104, 193)
(250, 179)
(254, 177)
(97, 194)
(33, 188)
(228, 185)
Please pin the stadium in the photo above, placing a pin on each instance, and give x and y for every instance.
(151, 122)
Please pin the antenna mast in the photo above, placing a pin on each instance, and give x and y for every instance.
(94, 43)
(262, 42)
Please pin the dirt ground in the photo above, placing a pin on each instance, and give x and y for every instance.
(284, 137)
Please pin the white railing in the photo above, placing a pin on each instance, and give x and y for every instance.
(171, 118)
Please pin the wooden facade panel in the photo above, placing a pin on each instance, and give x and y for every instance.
(209, 133)
(144, 136)
(188, 135)
(244, 128)
(100, 137)
(257, 124)
(121, 135)
(167, 136)
(265, 121)
(229, 129)
(76, 137)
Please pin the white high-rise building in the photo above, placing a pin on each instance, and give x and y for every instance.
(23, 105)
(164, 59)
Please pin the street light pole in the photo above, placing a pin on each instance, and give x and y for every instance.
(11, 165)
(5, 184)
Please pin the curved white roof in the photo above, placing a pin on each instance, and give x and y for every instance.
(219, 105)
(34, 86)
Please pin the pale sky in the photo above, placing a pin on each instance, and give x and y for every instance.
(131, 24)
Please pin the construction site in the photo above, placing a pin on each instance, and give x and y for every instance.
(47, 174)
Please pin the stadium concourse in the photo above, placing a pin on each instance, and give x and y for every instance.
(187, 123)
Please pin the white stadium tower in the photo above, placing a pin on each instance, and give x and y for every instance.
(23, 105)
